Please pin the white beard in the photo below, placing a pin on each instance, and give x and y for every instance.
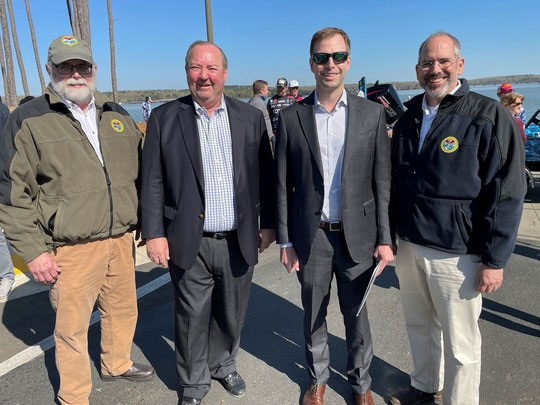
(75, 95)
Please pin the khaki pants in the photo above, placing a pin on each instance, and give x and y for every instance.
(102, 271)
(442, 308)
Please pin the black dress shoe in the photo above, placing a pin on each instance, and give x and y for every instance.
(189, 401)
(234, 384)
(413, 395)
(136, 373)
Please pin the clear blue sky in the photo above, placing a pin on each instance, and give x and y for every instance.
(267, 39)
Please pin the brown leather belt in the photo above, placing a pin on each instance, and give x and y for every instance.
(335, 226)
(219, 235)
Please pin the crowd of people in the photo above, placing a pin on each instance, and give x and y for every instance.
(209, 192)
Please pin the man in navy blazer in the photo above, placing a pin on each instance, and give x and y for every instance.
(333, 191)
(206, 177)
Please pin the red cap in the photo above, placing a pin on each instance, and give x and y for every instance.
(505, 88)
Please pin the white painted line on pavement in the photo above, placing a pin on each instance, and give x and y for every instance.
(39, 348)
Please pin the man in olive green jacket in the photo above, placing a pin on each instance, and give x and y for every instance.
(68, 203)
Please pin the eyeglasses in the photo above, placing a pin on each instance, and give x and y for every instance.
(443, 64)
(65, 69)
(322, 58)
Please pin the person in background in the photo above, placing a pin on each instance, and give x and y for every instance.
(260, 92)
(68, 204)
(506, 88)
(207, 180)
(457, 196)
(333, 189)
(293, 90)
(146, 108)
(277, 103)
(513, 102)
(7, 275)
(26, 99)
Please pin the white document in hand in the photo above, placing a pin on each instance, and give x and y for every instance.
(370, 284)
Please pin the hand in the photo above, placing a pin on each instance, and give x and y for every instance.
(266, 237)
(488, 280)
(44, 268)
(289, 259)
(157, 250)
(384, 255)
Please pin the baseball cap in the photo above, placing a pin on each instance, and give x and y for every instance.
(293, 83)
(68, 47)
(281, 82)
(505, 88)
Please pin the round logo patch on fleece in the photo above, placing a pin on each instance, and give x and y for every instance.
(449, 144)
(117, 125)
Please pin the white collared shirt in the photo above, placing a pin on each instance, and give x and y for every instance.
(88, 123)
(331, 130)
(216, 152)
(429, 115)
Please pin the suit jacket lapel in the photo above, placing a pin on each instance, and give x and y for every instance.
(238, 137)
(355, 125)
(306, 115)
(188, 126)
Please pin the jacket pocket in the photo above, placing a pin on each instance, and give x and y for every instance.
(82, 216)
(124, 207)
(369, 207)
(169, 212)
(464, 223)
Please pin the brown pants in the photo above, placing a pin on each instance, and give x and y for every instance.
(102, 271)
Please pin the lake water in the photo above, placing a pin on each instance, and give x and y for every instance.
(530, 91)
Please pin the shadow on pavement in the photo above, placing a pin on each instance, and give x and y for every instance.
(494, 306)
(527, 250)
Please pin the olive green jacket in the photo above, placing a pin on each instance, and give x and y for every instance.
(53, 188)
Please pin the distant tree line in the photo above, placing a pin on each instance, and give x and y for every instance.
(133, 96)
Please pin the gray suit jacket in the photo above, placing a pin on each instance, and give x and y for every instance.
(365, 181)
(257, 102)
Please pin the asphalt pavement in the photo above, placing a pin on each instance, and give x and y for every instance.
(271, 358)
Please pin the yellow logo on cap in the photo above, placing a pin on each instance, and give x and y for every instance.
(449, 144)
(69, 40)
(117, 125)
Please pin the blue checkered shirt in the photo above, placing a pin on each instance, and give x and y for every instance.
(216, 151)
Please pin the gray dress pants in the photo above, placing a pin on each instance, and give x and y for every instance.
(329, 256)
(211, 301)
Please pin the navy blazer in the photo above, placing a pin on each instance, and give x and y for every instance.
(172, 179)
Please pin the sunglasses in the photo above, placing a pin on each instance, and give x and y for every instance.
(322, 58)
(65, 69)
(518, 103)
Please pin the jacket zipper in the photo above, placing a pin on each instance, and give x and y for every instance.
(106, 173)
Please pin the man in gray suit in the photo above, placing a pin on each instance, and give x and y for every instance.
(333, 190)
(260, 92)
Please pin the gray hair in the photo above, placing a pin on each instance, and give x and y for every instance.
(457, 44)
(194, 44)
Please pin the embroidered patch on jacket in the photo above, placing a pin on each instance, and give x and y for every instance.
(69, 40)
(449, 144)
(117, 125)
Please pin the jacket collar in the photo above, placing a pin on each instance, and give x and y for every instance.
(415, 104)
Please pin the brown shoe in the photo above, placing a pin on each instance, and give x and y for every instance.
(364, 399)
(413, 395)
(314, 395)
